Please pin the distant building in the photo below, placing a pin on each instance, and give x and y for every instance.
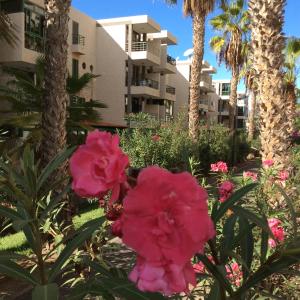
(208, 102)
(130, 54)
(222, 88)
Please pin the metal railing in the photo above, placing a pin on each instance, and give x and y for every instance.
(34, 42)
(170, 90)
(171, 60)
(225, 93)
(203, 101)
(78, 39)
(138, 46)
(147, 82)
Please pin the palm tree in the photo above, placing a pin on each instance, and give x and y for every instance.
(198, 10)
(268, 43)
(292, 55)
(7, 29)
(25, 96)
(55, 97)
(231, 46)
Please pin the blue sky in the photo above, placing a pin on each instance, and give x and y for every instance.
(172, 19)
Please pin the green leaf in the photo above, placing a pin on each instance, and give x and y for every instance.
(13, 270)
(260, 222)
(291, 208)
(264, 246)
(53, 165)
(213, 269)
(228, 236)
(10, 214)
(247, 246)
(45, 292)
(215, 293)
(239, 194)
(81, 235)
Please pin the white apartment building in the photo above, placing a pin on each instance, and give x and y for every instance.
(222, 88)
(208, 104)
(130, 54)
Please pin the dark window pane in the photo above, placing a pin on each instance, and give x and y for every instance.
(75, 68)
(11, 6)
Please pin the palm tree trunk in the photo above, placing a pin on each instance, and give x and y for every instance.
(56, 97)
(198, 44)
(267, 18)
(291, 98)
(233, 98)
(251, 128)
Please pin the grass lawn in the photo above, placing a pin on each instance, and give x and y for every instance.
(17, 241)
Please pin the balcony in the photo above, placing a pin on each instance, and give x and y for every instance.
(146, 53)
(145, 87)
(78, 44)
(34, 42)
(170, 93)
(170, 67)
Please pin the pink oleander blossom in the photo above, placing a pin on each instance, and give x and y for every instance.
(225, 190)
(283, 175)
(277, 230)
(166, 278)
(165, 217)
(268, 163)
(116, 228)
(220, 166)
(98, 166)
(234, 273)
(155, 138)
(251, 175)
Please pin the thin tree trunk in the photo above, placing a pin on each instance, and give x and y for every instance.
(291, 99)
(267, 18)
(198, 43)
(251, 128)
(56, 97)
(233, 98)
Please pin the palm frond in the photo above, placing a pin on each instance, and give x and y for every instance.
(75, 85)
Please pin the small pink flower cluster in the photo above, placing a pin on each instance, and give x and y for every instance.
(268, 163)
(234, 274)
(251, 175)
(277, 230)
(220, 166)
(155, 138)
(225, 190)
(283, 175)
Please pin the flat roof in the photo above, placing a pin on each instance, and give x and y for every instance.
(165, 36)
(141, 24)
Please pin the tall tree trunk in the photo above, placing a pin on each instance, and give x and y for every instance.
(291, 99)
(267, 18)
(233, 98)
(56, 97)
(251, 125)
(198, 44)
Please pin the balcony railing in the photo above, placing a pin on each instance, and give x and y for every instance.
(34, 42)
(225, 93)
(171, 60)
(203, 101)
(78, 39)
(147, 82)
(170, 90)
(138, 46)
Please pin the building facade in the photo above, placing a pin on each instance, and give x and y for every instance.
(129, 54)
(222, 88)
(208, 104)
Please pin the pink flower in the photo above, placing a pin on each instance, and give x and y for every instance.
(277, 231)
(268, 163)
(251, 175)
(283, 175)
(165, 217)
(220, 166)
(166, 278)
(225, 190)
(234, 274)
(98, 166)
(116, 228)
(155, 138)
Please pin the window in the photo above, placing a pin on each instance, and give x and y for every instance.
(75, 72)
(34, 28)
(225, 89)
(136, 105)
(11, 6)
(83, 65)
